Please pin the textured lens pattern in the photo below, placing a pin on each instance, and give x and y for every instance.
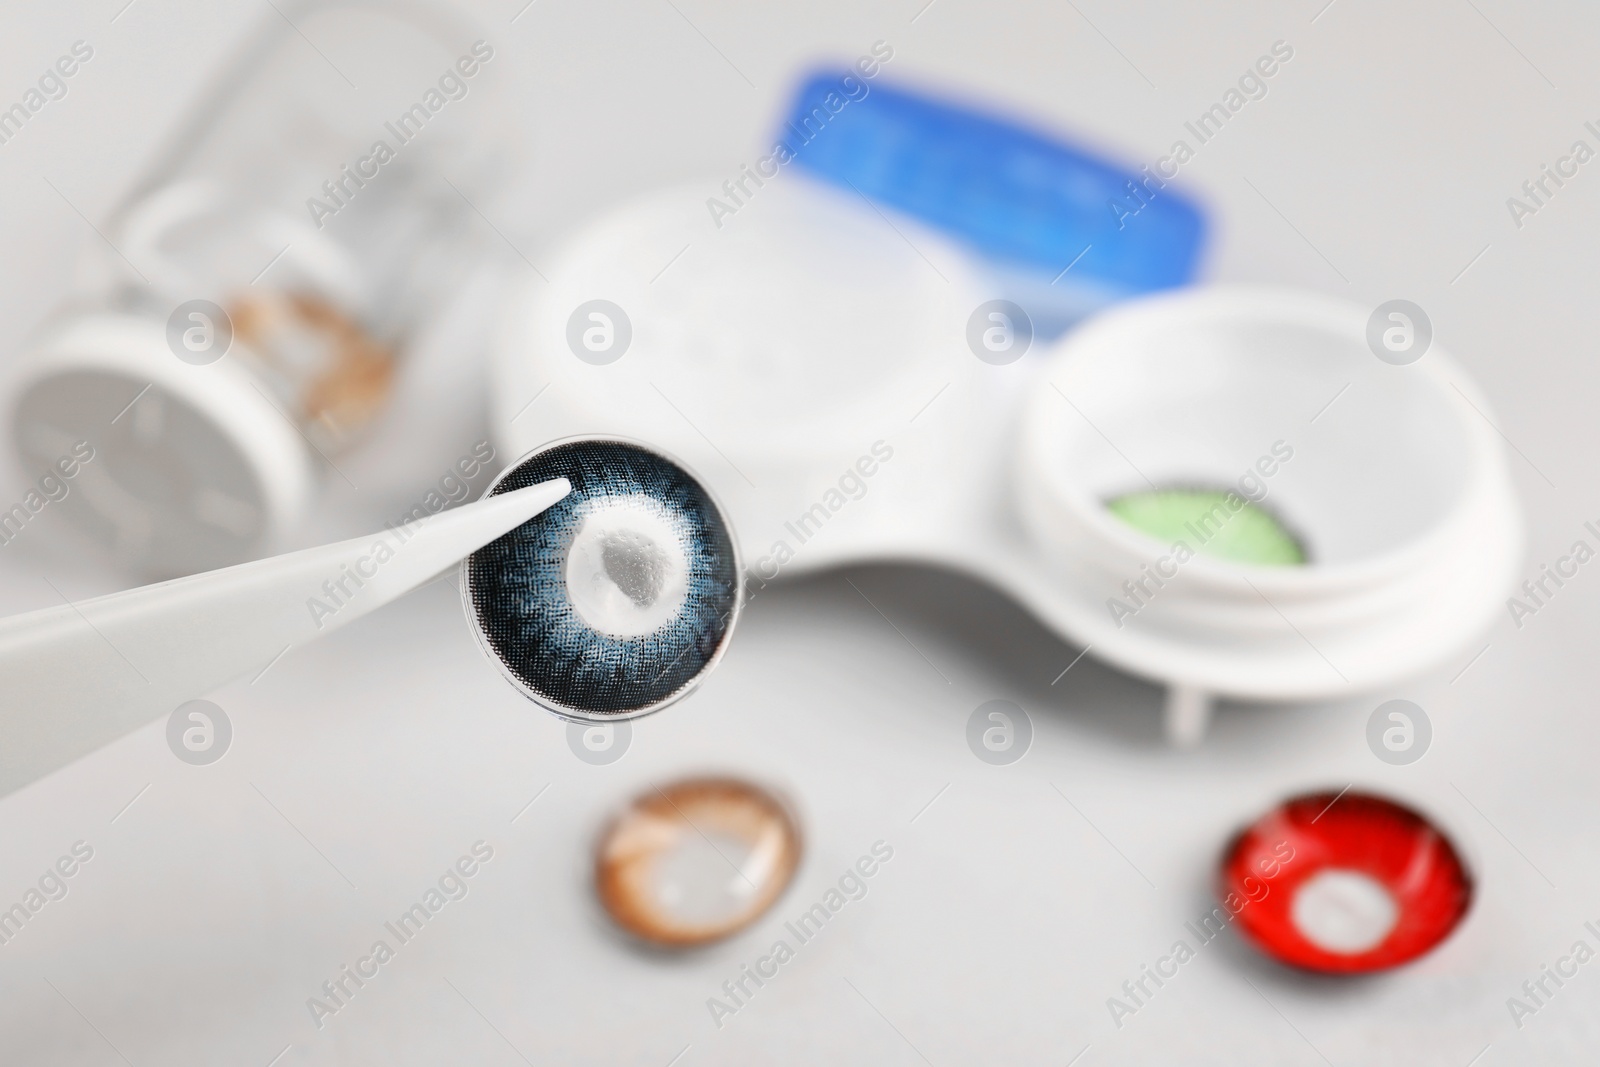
(518, 586)
(1374, 846)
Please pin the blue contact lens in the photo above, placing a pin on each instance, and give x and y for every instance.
(618, 599)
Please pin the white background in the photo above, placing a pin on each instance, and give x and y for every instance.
(1377, 167)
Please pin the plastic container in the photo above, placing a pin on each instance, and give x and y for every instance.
(247, 317)
(816, 366)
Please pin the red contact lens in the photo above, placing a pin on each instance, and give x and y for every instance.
(1344, 884)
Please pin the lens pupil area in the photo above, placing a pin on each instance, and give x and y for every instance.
(1344, 911)
(636, 564)
(627, 568)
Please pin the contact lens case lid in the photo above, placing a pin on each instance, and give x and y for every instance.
(1010, 192)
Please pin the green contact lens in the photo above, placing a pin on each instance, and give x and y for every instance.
(1207, 521)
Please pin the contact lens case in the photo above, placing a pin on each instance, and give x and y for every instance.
(853, 390)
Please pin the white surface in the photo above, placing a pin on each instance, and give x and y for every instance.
(1012, 908)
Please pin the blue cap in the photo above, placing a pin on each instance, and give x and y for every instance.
(1015, 195)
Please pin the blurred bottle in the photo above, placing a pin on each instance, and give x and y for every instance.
(244, 322)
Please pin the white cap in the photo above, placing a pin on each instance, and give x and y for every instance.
(193, 466)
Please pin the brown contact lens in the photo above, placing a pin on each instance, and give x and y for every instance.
(696, 860)
(338, 375)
